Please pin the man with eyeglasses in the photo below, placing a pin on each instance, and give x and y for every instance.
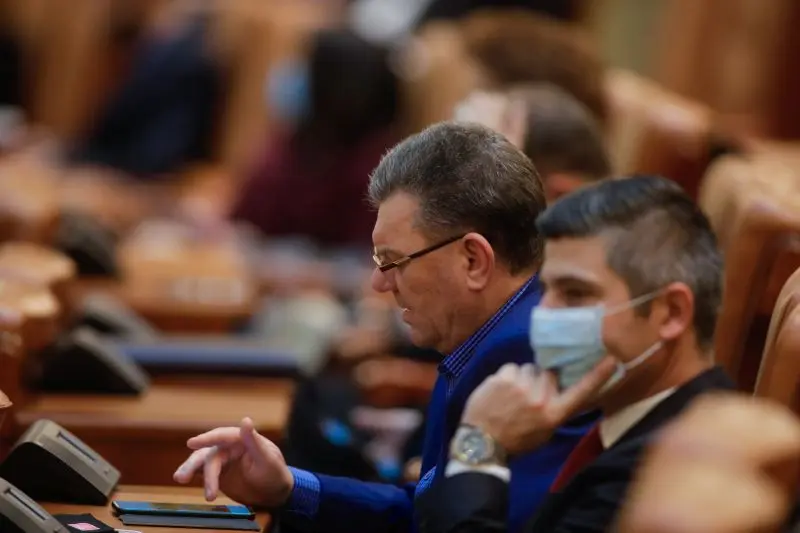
(457, 246)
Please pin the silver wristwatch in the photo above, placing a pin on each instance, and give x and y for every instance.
(474, 447)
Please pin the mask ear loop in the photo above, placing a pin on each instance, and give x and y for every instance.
(635, 302)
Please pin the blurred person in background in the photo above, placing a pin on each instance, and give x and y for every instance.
(163, 114)
(555, 130)
(513, 47)
(311, 180)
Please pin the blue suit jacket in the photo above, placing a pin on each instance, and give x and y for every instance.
(346, 505)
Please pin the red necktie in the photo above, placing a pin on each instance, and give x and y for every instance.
(586, 451)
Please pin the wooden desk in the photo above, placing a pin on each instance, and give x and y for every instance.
(145, 437)
(168, 314)
(169, 494)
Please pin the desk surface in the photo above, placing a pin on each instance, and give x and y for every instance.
(145, 437)
(142, 493)
(168, 408)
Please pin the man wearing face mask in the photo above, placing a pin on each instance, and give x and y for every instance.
(632, 277)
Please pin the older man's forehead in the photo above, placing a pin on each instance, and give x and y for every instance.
(396, 216)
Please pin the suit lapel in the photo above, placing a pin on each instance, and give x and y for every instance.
(618, 461)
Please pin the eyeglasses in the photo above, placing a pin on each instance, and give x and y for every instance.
(385, 267)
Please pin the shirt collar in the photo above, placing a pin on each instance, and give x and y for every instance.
(615, 426)
(453, 365)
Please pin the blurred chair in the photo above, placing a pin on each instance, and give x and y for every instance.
(5, 405)
(754, 206)
(437, 73)
(73, 57)
(779, 374)
(28, 200)
(655, 131)
(738, 57)
(39, 266)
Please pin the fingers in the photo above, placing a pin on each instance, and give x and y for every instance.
(250, 439)
(216, 437)
(508, 371)
(211, 471)
(536, 382)
(190, 466)
(575, 397)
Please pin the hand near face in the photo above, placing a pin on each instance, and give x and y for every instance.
(727, 465)
(246, 466)
(521, 406)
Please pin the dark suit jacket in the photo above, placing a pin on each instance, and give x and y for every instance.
(477, 503)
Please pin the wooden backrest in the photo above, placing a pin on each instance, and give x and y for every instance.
(779, 373)
(436, 73)
(738, 57)
(41, 266)
(5, 405)
(28, 199)
(655, 131)
(12, 359)
(73, 56)
(754, 206)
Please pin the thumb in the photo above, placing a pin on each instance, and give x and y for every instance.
(251, 441)
(575, 397)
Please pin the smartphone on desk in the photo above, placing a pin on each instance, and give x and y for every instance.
(182, 509)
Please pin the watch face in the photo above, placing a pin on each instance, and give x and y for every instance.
(475, 448)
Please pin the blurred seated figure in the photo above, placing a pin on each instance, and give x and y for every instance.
(513, 47)
(311, 180)
(556, 131)
(727, 465)
(162, 116)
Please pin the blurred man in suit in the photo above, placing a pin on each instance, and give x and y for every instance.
(457, 246)
(632, 278)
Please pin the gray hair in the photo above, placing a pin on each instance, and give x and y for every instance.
(468, 178)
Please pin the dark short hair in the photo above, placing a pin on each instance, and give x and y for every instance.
(468, 178)
(655, 234)
(518, 46)
(562, 135)
(341, 64)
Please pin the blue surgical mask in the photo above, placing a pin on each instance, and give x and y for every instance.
(287, 91)
(569, 341)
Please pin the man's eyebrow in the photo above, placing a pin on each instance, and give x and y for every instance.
(581, 276)
(572, 279)
(384, 250)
